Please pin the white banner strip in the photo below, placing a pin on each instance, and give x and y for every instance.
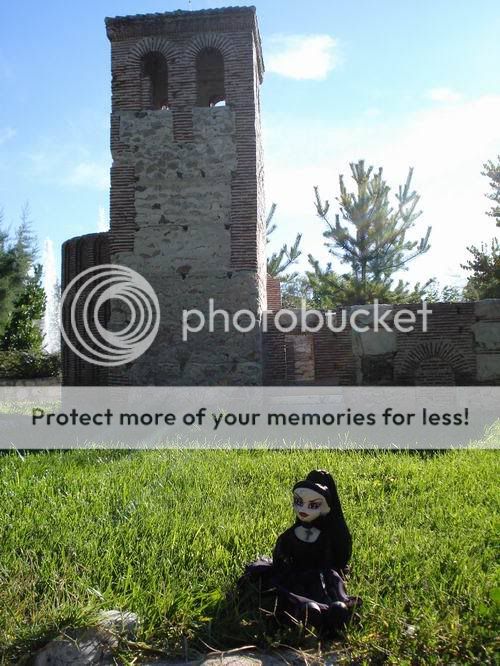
(55, 417)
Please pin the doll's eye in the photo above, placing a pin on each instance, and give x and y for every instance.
(314, 505)
(298, 500)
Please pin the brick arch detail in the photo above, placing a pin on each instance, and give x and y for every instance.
(435, 348)
(209, 40)
(151, 45)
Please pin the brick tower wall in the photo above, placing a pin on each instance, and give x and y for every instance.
(78, 254)
(187, 204)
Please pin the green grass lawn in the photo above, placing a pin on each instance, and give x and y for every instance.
(166, 534)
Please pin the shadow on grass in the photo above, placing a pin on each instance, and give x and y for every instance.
(250, 618)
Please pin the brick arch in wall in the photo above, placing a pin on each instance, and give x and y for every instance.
(206, 40)
(142, 48)
(435, 362)
(150, 45)
(209, 40)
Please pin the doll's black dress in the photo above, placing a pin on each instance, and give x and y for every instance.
(306, 577)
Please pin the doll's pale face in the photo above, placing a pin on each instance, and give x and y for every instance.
(309, 505)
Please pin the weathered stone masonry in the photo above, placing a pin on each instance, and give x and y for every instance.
(461, 347)
(187, 209)
(198, 230)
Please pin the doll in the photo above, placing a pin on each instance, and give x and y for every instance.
(309, 563)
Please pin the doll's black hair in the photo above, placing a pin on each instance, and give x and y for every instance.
(319, 476)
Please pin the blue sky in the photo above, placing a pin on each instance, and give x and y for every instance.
(397, 83)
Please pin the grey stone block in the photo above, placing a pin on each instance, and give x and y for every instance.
(373, 343)
(487, 335)
(488, 367)
(489, 308)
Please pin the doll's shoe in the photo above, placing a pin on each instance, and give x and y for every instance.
(297, 609)
(338, 615)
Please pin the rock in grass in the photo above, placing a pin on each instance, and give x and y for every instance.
(124, 623)
(245, 658)
(89, 646)
(78, 647)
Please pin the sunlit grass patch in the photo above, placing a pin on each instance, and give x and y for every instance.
(166, 534)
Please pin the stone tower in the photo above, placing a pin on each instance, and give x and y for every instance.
(187, 204)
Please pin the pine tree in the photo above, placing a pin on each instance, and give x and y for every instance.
(373, 242)
(8, 273)
(17, 258)
(25, 247)
(331, 289)
(278, 262)
(295, 289)
(492, 171)
(484, 264)
(485, 268)
(23, 332)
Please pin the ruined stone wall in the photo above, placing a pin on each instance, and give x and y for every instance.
(461, 347)
(273, 293)
(329, 360)
(486, 332)
(444, 355)
(275, 372)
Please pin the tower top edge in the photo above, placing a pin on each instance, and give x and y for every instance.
(221, 19)
(183, 14)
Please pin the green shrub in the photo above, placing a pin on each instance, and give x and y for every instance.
(28, 365)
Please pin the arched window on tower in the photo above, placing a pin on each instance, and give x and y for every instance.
(154, 80)
(210, 77)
